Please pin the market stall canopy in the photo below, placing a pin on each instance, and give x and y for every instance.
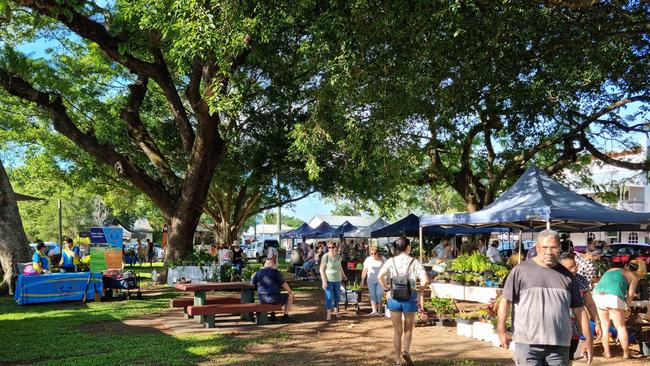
(365, 232)
(536, 200)
(410, 226)
(342, 230)
(321, 231)
(300, 231)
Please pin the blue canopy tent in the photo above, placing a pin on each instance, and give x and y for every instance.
(365, 232)
(535, 202)
(408, 226)
(344, 228)
(298, 232)
(321, 231)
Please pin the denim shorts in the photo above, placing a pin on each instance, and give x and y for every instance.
(405, 306)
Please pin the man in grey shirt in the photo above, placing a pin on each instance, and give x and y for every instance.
(543, 293)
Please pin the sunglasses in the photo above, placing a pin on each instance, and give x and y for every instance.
(331, 247)
(373, 253)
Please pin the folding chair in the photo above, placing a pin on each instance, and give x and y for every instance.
(300, 273)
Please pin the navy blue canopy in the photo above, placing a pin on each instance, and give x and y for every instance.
(344, 228)
(298, 232)
(535, 200)
(323, 230)
(410, 226)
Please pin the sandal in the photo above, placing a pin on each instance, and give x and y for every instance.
(407, 357)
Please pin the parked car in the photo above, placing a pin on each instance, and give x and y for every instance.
(619, 254)
(257, 249)
(51, 248)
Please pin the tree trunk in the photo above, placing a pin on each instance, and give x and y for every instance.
(208, 152)
(14, 247)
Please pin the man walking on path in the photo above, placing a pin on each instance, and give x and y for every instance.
(543, 293)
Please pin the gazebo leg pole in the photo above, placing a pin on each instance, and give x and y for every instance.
(421, 246)
(521, 240)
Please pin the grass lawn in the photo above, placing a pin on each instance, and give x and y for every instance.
(90, 334)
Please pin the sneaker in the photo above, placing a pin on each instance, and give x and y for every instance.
(287, 319)
(407, 358)
(374, 313)
(273, 318)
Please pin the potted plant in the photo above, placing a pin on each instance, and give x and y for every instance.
(458, 278)
(444, 309)
(464, 322)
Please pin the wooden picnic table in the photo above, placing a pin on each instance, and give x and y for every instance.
(200, 289)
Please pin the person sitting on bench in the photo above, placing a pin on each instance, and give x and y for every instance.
(269, 282)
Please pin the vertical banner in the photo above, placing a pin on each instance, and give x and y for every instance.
(103, 235)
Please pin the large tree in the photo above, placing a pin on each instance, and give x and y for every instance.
(150, 89)
(13, 242)
(470, 93)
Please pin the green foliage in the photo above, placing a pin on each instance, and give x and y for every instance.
(249, 270)
(474, 262)
(474, 315)
(197, 258)
(443, 307)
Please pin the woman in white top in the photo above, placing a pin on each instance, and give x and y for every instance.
(403, 265)
(272, 254)
(225, 255)
(371, 267)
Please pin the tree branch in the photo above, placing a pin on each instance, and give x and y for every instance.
(97, 33)
(131, 115)
(645, 166)
(281, 203)
(123, 165)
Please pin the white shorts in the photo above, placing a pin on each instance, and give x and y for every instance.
(608, 301)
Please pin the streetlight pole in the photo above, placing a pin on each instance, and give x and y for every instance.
(60, 228)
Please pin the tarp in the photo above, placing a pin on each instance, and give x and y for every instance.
(343, 229)
(57, 287)
(365, 232)
(410, 226)
(536, 199)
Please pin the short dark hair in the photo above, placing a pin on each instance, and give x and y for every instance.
(68, 240)
(401, 244)
(40, 245)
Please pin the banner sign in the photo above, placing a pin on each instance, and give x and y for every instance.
(108, 235)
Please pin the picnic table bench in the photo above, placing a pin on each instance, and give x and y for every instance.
(184, 302)
(209, 311)
(200, 299)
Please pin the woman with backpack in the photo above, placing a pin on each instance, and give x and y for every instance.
(399, 274)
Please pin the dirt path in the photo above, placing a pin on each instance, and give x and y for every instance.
(352, 340)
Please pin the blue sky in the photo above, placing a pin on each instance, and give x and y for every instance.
(308, 207)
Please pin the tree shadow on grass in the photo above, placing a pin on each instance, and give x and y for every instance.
(93, 334)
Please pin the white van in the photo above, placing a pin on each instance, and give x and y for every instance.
(257, 249)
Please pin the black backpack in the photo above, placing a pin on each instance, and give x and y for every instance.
(401, 284)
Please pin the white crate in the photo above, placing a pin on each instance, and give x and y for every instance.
(464, 330)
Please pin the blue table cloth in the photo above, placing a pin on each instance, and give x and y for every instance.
(57, 287)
